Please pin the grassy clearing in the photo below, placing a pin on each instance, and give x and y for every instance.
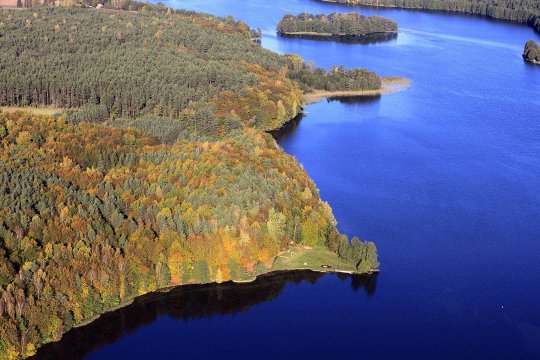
(33, 110)
(302, 257)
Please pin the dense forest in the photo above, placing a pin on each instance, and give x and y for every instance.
(93, 216)
(156, 174)
(174, 64)
(201, 70)
(532, 52)
(524, 11)
(352, 24)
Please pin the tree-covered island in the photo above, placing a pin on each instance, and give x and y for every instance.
(334, 26)
(157, 170)
(532, 52)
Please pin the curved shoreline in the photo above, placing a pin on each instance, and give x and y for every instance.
(248, 280)
(390, 85)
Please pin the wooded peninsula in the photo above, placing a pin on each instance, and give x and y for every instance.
(523, 11)
(157, 171)
(532, 52)
(334, 26)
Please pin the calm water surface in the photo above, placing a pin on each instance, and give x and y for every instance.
(444, 177)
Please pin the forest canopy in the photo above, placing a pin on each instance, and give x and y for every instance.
(157, 174)
(173, 64)
(351, 24)
(200, 70)
(524, 11)
(92, 216)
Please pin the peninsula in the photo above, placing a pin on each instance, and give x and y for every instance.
(148, 164)
(340, 27)
(390, 85)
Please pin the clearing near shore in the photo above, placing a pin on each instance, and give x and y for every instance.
(311, 258)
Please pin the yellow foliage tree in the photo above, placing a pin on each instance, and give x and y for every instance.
(174, 262)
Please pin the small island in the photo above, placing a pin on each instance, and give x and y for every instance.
(532, 52)
(337, 27)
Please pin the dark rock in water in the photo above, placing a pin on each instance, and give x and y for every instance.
(532, 52)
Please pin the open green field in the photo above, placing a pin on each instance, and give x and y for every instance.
(33, 110)
(302, 257)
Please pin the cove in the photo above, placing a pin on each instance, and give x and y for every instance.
(444, 177)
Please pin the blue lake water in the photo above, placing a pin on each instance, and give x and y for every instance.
(444, 177)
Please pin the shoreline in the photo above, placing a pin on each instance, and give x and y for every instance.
(390, 85)
(166, 289)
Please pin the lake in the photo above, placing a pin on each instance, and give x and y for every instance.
(444, 177)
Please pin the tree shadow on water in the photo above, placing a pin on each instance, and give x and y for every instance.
(184, 303)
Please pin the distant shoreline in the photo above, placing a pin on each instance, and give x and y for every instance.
(390, 85)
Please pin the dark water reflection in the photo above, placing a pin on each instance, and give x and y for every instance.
(355, 99)
(363, 40)
(289, 128)
(185, 304)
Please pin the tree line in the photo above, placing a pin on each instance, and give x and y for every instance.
(351, 24)
(524, 11)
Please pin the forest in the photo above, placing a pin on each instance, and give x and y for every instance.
(197, 69)
(523, 11)
(532, 52)
(158, 172)
(93, 216)
(351, 24)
